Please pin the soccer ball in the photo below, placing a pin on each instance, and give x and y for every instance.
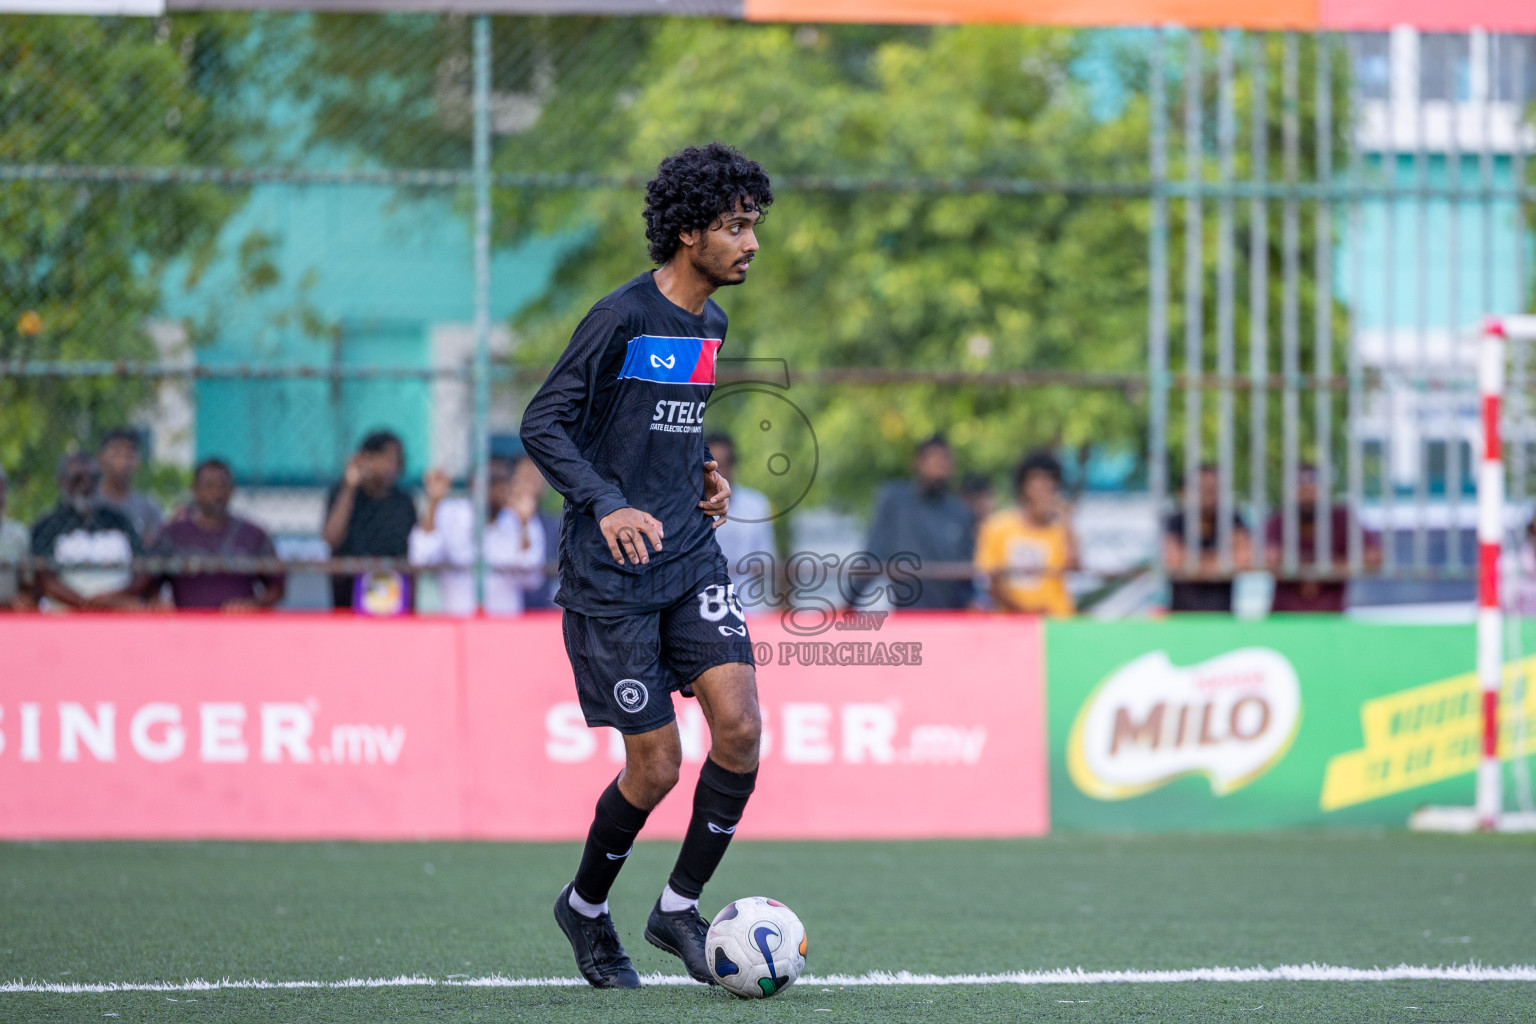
(756, 947)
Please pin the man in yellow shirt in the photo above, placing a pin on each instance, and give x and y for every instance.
(1025, 550)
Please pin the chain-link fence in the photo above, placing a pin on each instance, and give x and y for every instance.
(260, 237)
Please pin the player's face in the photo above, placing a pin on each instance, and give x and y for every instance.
(727, 247)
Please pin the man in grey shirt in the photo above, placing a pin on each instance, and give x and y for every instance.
(15, 554)
(119, 459)
(921, 517)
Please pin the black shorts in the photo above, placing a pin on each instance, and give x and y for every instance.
(626, 668)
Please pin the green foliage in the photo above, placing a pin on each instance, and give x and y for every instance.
(901, 278)
(80, 261)
(904, 276)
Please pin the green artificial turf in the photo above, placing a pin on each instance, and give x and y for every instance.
(137, 912)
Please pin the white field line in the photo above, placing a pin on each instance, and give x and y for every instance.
(1296, 972)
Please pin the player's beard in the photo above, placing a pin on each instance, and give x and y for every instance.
(708, 261)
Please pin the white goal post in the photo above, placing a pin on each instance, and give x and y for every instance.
(1487, 813)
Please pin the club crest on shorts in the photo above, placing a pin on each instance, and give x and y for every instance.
(631, 694)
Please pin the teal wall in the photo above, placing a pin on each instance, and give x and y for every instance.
(1407, 264)
(354, 275)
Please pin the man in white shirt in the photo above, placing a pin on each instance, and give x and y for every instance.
(89, 544)
(747, 530)
(514, 540)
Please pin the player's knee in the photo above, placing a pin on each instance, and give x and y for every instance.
(736, 738)
(655, 775)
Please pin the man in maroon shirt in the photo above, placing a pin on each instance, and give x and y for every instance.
(1304, 595)
(209, 531)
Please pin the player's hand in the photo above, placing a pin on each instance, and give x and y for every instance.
(354, 474)
(626, 532)
(717, 493)
(437, 485)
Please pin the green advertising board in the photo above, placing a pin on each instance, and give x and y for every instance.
(1208, 722)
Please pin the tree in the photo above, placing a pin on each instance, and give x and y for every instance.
(80, 260)
(942, 267)
(900, 278)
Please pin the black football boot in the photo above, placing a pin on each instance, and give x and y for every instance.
(682, 934)
(600, 955)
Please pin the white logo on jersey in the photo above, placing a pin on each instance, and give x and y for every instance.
(668, 362)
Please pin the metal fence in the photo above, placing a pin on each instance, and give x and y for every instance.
(1398, 212)
(259, 236)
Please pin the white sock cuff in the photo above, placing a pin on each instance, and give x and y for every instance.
(584, 908)
(672, 901)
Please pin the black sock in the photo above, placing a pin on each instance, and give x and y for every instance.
(717, 805)
(609, 840)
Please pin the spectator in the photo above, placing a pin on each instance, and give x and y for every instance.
(1025, 551)
(921, 518)
(1302, 595)
(542, 595)
(1203, 595)
(977, 493)
(95, 538)
(368, 515)
(118, 457)
(1519, 572)
(15, 558)
(748, 527)
(207, 530)
(513, 537)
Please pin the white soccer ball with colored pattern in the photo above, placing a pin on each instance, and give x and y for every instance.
(756, 947)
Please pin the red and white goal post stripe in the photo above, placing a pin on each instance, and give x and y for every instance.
(1487, 813)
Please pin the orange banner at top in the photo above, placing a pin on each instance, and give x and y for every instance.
(1428, 15)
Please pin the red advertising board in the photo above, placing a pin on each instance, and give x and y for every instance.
(296, 727)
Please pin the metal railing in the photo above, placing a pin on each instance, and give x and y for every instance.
(1398, 397)
(1323, 214)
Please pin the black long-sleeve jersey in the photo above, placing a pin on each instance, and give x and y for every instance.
(620, 423)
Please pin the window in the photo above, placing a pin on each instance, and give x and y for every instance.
(1445, 66)
(1437, 468)
(1373, 65)
(1513, 74)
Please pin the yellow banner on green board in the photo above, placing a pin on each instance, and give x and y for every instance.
(1427, 733)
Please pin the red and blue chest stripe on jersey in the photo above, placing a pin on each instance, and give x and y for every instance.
(671, 360)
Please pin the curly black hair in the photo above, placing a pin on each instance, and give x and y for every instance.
(1038, 461)
(693, 188)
